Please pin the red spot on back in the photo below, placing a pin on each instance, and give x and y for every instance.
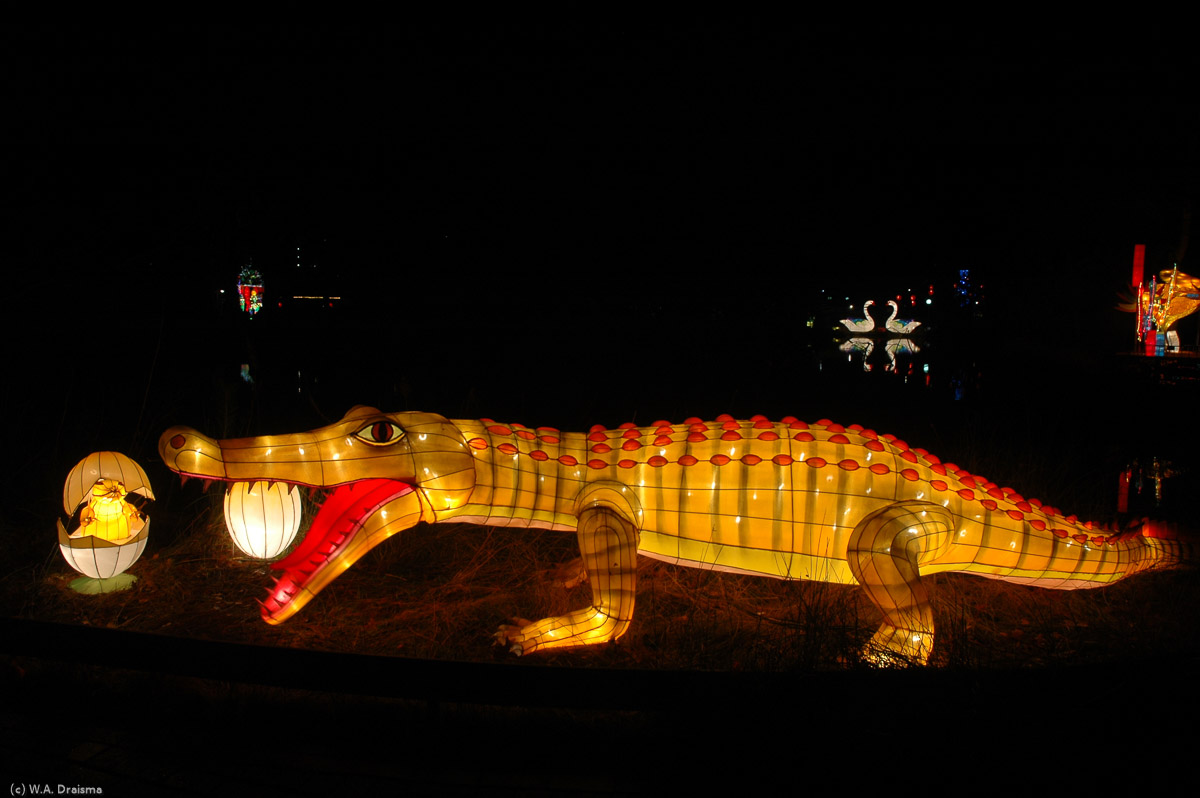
(631, 445)
(597, 464)
(662, 440)
(880, 468)
(658, 461)
(719, 459)
(938, 484)
(660, 424)
(988, 503)
(696, 437)
(474, 443)
(596, 428)
(910, 474)
(835, 428)
(688, 460)
(568, 460)
(763, 424)
(815, 462)
(908, 457)
(796, 424)
(1016, 515)
(627, 425)
(874, 446)
(525, 435)
(848, 465)
(730, 425)
(549, 439)
(731, 436)
(507, 448)
(601, 448)
(627, 464)
(967, 494)
(804, 436)
(697, 428)
(631, 432)
(691, 420)
(751, 459)
(782, 460)
(824, 422)
(937, 468)
(1038, 524)
(538, 454)
(725, 417)
(788, 420)
(597, 436)
(497, 429)
(838, 439)
(769, 436)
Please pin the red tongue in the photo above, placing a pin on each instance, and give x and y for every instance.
(340, 515)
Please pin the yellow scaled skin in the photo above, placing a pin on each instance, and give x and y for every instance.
(783, 499)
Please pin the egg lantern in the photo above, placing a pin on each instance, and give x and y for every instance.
(262, 517)
(106, 497)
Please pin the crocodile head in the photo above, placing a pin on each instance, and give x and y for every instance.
(386, 471)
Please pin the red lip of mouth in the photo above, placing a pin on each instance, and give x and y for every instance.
(340, 517)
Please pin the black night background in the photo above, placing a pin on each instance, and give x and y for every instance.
(572, 224)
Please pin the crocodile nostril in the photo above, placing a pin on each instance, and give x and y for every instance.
(178, 441)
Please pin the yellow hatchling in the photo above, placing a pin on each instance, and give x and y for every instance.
(786, 499)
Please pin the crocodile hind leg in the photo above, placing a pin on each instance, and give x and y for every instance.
(885, 553)
(608, 541)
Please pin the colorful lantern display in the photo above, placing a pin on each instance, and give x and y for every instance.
(262, 517)
(250, 290)
(1169, 297)
(105, 497)
(786, 499)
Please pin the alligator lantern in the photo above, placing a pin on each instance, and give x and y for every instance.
(784, 499)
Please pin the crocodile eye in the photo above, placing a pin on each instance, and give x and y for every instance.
(380, 433)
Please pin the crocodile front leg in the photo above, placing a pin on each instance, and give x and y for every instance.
(608, 541)
(884, 554)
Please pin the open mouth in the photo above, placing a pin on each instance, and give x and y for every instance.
(329, 539)
(332, 539)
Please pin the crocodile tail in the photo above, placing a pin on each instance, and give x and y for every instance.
(1170, 545)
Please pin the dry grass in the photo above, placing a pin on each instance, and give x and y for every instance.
(440, 592)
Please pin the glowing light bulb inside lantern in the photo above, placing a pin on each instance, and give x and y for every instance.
(262, 517)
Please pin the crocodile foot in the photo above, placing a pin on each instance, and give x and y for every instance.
(510, 636)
